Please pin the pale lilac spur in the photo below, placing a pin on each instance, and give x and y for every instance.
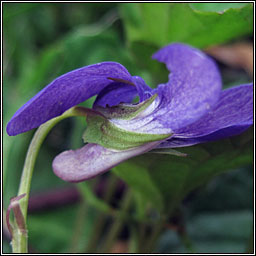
(190, 108)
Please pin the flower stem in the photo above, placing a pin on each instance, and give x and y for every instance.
(19, 240)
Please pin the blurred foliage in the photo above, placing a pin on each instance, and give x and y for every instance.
(44, 40)
(57, 237)
(168, 179)
(217, 216)
(161, 24)
(216, 7)
(212, 232)
(150, 26)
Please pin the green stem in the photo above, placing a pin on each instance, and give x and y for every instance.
(187, 242)
(89, 196)
(19, 240)
(79, 227)
(133, 246)
(97, 231)
(142, 235)
(118, 223)
(156, 232)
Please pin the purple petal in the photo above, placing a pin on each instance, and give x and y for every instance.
(115, 94)
(64, 92)
(234, 109)
(144, 91)
(177, 142)
(193, 87)
(91, 160)
(231, 116)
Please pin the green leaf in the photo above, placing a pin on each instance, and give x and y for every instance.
(161, 24)
(140, 180)
(216, 7)
(175, 177)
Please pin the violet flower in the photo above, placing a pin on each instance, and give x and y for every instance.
(189, 109)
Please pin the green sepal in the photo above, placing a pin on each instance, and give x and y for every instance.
(167, 151)
(102, 131)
